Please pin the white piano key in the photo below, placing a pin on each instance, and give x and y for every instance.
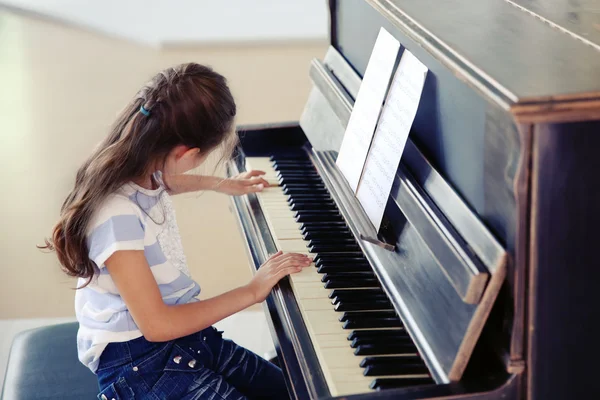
(340, 366)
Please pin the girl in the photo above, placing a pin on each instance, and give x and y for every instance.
(142, 329)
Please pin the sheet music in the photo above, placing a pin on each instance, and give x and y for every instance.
(391, 135)
(359, 132)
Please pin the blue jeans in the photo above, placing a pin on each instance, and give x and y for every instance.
(202, 366)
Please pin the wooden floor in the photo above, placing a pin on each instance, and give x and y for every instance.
(60, 89)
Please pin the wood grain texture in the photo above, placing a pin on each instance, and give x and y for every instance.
(491, 43)
(564, 261)
(531, 77)
(463, 269)
(517, 275)
(580, 18)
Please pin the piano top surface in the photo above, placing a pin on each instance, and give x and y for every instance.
(542, 53)
(581, 17)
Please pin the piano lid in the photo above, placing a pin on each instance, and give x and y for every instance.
(521, 59)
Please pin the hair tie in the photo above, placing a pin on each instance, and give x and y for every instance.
(144, 111)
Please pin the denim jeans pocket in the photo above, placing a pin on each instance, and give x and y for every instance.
(181, 369)
(118, 390)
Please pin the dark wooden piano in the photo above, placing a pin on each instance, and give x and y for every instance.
(491, 292)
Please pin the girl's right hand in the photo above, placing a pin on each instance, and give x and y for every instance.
(275, 268)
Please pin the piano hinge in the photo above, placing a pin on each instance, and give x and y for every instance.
(515, 366)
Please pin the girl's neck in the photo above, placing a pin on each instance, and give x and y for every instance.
(147, 182)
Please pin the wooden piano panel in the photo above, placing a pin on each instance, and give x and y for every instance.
(492, 128)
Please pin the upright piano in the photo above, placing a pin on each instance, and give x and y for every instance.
(491, 289)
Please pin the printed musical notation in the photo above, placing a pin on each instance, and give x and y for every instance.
(390, 137)
(359, 132)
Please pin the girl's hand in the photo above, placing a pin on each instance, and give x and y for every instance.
(247, 182)
(271, 272)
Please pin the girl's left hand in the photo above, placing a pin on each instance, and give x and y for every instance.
(247, 182)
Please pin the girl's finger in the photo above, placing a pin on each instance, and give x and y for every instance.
(287, 271)
(292, 264)
(293, 257)
(262, 181)
(254, 181)
(255, 188)
(274, 256)
(255, 173)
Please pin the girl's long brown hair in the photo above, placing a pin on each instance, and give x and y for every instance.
(188, 105)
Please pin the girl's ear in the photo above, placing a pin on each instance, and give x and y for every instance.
(182, 152)
(190, 154)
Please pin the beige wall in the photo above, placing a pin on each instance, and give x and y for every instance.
(60, 89)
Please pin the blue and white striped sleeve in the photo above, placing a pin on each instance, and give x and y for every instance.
(116, 226)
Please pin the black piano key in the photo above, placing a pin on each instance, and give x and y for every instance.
(290, 155)
(310, 207)
(306, 196)
(356, 297)
(402, 338)
(304, 164)
(369, 323)
(307, 227)
(325, 268)
(287, 164)
(285, 160)
(296, 206)
(328, 244)
(346, 283)
(343, 305)
(322, 261)
(354, 258)
(300, 179)
(334, 248)
(379, 334)
(396, 369)
(297, 171)
(328, 235)
(325, 259)
(316, 199)
(313, 217)
(332, 238)
(309, 201)
(390, 360)
(349, 275)
(353, 292)
(293, 191)
(322, 226)
(385, 348)
(325, 213)
(392, 383)
(347, 316)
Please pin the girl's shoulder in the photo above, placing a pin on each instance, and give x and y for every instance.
(116, 205)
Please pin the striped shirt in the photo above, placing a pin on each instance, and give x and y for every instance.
(133, 218)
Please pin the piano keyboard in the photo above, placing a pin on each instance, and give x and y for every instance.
(358, 338)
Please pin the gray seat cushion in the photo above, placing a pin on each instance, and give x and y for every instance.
(43, 364)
